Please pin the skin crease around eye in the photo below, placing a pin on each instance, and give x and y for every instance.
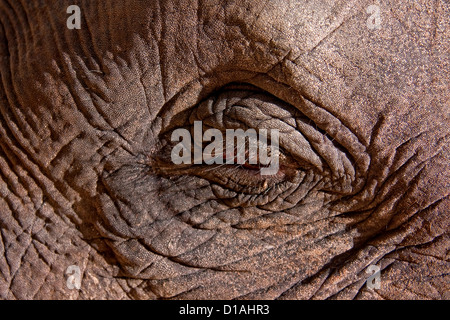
(243, 106)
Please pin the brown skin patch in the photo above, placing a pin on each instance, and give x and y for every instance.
(84, 176)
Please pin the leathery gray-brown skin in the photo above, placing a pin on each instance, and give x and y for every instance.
(85, 179)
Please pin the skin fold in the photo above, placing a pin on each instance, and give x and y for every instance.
(86, 178)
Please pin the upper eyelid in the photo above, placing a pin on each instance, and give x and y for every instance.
(290, 116)
(180, 102)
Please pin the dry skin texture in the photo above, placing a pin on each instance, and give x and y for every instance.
(86, 180)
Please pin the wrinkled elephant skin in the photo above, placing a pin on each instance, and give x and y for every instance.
(86, 178)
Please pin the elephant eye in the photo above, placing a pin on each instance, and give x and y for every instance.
(247, 141)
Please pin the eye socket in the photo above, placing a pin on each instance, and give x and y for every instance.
(303, 148)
